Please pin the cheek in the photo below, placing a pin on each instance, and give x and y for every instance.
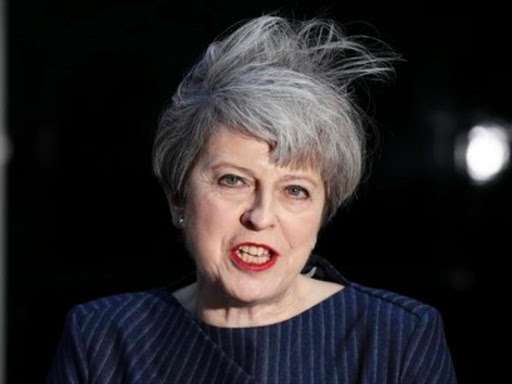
(303, 230)
(208, 225)
(212, 212)
(303, 236)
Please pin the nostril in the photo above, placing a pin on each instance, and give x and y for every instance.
(248, 219)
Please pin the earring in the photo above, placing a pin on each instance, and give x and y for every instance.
(179, 221)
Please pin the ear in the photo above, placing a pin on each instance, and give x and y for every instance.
(177, 209)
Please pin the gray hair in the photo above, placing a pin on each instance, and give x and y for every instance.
(285, 82)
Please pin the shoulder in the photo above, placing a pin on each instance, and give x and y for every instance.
(396, 325)
(103, 337)
(385, 299)
(380, 311)
(122, 310)
(361, 300)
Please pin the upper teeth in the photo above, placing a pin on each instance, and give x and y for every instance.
(254, 251)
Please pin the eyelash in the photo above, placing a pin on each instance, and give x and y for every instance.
(235, 181)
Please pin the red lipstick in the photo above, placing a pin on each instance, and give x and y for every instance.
(235, 256)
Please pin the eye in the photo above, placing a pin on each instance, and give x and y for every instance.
(230, 180)
(297, 191)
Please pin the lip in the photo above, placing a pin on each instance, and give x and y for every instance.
(250, 266)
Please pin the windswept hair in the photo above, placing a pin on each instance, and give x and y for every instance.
(286, 82)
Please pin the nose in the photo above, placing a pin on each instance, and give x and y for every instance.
(260, 214)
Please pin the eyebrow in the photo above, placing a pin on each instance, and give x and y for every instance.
(287, 177)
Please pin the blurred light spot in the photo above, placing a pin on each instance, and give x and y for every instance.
(487, 152)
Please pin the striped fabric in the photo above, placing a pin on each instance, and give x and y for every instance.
(358, 335)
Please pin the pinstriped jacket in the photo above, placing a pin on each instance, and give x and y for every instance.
(358, 335)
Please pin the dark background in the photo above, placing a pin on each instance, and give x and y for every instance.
(86, 82)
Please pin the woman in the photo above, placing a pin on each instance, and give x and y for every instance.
(258, 149)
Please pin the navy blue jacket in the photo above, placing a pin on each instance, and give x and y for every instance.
(358, 335)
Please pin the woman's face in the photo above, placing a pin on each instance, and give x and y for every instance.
(249, 224)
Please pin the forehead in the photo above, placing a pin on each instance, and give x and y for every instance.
(229, 146)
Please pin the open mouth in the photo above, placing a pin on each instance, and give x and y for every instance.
(254, 256)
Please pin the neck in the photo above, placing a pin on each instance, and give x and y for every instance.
(222, 311)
